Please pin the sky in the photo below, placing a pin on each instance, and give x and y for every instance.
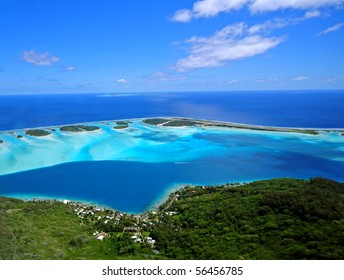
(105, 46)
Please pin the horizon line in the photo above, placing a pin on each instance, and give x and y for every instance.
(179, 91)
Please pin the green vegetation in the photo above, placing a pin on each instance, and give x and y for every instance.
(79, 128)
(169, 122)
(19, 136)
(155, 121)
(37, 132)
(274, 219)
(121, 125)
(180, 123)
(271, 219)
(190, 122)
(1, 141)
(53, 230)
(264, 128)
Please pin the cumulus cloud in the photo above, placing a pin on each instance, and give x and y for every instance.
(333, 28)
(209, 8)
(301, 78)
(122, 81)
(230, 43)
(39, 59)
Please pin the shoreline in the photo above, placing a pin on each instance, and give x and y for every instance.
(154, 206)
(31, 198)
(207, 123)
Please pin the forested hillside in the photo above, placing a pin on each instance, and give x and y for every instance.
(272, 219)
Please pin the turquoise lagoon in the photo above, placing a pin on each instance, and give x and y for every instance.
(133, 169)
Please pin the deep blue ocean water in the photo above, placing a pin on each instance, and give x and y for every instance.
(321, 109)
(135, 186)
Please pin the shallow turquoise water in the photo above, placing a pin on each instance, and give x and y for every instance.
(132, 169)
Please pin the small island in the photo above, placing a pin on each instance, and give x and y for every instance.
(180, 123)
(1, 141)
(79, 128)
(155, 121)
(37, 132)
(121, 125)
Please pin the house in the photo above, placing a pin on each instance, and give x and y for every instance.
(101, 236)
(131, 229)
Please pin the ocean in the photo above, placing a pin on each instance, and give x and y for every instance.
(134, 169)
(321, 109)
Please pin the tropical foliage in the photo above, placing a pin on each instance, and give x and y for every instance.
(272, 219)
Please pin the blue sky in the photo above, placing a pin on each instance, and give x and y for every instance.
(108, 46)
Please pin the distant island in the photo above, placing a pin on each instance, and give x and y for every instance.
(271, 219)
(37, 132)
(191, 122)
(79, 128)
(168, 122)
(121, 125)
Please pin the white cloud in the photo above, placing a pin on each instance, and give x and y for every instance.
(209, 8)
(312, 14)
(182, 16)
(39, 59)
(333, 28)
(71, 68)
(122, 81)
(271, 25)
(233, 82)
(274, 5)
(231, 43)
(337, 78)
(301, 78)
